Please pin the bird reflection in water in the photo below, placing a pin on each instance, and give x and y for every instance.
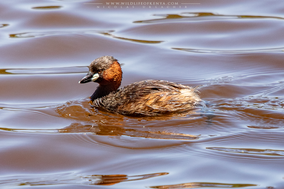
(120, 131)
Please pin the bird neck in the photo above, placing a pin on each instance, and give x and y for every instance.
(103, 90)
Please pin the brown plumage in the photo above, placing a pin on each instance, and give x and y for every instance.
(143, 98)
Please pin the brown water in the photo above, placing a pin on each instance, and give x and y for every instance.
(52, 138)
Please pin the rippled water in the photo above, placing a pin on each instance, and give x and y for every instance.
(52, 138)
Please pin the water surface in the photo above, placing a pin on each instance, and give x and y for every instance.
(52, 138)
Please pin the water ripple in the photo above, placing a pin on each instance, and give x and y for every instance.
(196, 16)
(3, 25)
(105, 33)
(252, 151)
(51, 70)
(47, 7)
(73, 179)
(203, 185)
(236, 51)
(132, 40)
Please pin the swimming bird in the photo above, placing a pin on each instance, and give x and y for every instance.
(143, 98)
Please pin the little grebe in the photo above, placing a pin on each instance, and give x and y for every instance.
(143, 98)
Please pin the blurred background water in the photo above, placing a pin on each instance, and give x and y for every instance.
(52, 138)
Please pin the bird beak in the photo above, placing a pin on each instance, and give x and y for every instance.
(89, 77)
